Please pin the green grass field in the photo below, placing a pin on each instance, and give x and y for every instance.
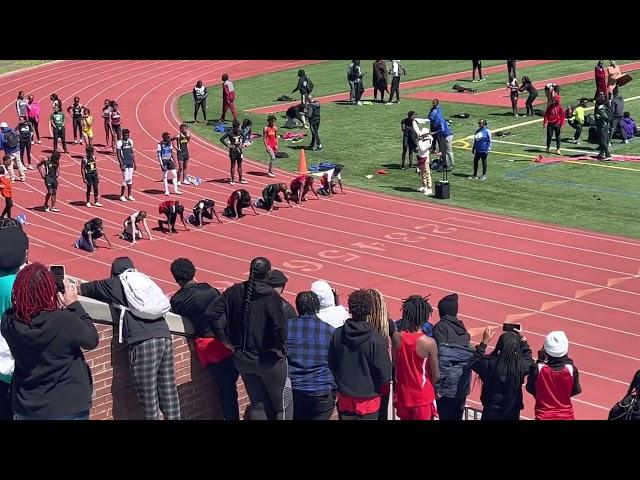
(10, 65)
(599, 196)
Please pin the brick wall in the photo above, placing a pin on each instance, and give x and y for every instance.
(115, 398)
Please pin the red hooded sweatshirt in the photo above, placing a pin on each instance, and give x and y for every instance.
(555, 113)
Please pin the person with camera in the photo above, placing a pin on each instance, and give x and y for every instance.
(553, 379)
(51, 380)
(502, 373)
(331, 311)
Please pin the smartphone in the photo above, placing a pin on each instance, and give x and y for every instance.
(510, 327)
(58, 273)
(336, 297)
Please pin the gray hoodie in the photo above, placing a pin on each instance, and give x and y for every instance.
(334, 315)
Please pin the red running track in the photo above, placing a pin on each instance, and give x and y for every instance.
(548, 277)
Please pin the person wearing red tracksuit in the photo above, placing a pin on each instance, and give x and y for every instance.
(553, 121)
(228, 98)
(553, 380)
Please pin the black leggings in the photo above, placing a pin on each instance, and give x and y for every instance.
(25, 146)
(514, 102)
(407, 147)
(551, 129)
(476, 159)
(7, 209)
(77, 128)
(93, 187)
(477, 65)
(200, 105)
(264, 382)
(578, 127)
(359, 90)
(395, 88)
(34, 124)
(58, 133)
(529, 103)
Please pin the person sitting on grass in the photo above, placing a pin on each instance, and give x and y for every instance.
(172, 209)
(132, 230)
(238, 200)
(203, 209)
(92, 231)
(328, 184)
(629, 127)
(271, 194)
(300, 186)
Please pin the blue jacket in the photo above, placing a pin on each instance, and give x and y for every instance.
(3, 145)
(435, 115)
(482, 141)
(441, 127)
(455, 373)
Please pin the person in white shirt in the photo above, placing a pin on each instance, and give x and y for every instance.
(331, 311)
(396, 71)
(424, 146)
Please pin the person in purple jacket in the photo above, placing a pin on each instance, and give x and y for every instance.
(629, 127)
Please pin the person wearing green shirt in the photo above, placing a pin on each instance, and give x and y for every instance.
(57, 127)
(577, 121)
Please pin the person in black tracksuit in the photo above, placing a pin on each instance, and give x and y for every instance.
(25, 136)
(409, 138)
(302, 86)
(313, 116)
(149, 345)
(76, 110)
(454, 355)
(617, 111)
(249, 318)
(191, 302)
(533, 94)
(360, 363)
(477, 65)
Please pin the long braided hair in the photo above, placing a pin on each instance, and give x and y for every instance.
(259, 270)
(508, 367)
(415, 311)
(34, 291)
(379, 316)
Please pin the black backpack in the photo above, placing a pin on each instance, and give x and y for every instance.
(353, 75)
(11, 139)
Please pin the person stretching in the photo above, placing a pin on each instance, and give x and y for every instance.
(172, 209)
(167, 164)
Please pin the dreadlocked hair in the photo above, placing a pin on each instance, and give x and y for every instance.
(379, 316)
(259, 270)
(415, 311)
(307, 303)
(634, 386)
(34, 291)
(508, 367)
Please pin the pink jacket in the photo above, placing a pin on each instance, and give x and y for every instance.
(33, 110)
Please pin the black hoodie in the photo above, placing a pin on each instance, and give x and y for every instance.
(451, 330)
(110, 291)
(51, 378)
(359, 360)
(264, 335)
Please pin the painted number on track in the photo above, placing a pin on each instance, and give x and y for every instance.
(435, 228)
(338, 255)
(404, 237)
(375, 246)
(303, 265)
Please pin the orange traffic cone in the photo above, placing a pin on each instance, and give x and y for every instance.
(302, 163)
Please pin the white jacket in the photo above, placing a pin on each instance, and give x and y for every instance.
(334, 315)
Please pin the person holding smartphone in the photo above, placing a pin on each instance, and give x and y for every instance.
(502, 373)
(331, 311)
(46, 332)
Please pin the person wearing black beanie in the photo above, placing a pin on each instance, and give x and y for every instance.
(454, 354)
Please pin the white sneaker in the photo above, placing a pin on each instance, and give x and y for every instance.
(422, 189)
(178, 192)
(483, 177)
(131, 198)
(243, 181)
(97, 204)
(428, 191)
(231, 182)
(75, 141)
(166, 193)
(30, 167)
(81, 142)
(179, 182)
(88, 204)
(186, 182)
(472, 177)
(123, 198)
(269, 174)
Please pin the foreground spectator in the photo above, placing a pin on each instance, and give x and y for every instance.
(502, 373)
(14, 246)
(360, 363)
(415, 357)
(454, 355)
(331, 311)
(553, 380)
(191, 301)
(52, 380)
(249, 318)
(278, 281)
(629, 407)
(308, 340)
(382, 324)
(149, 344)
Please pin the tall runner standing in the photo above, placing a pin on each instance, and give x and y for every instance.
(127, 161)
(182, 149)
(167, 163)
